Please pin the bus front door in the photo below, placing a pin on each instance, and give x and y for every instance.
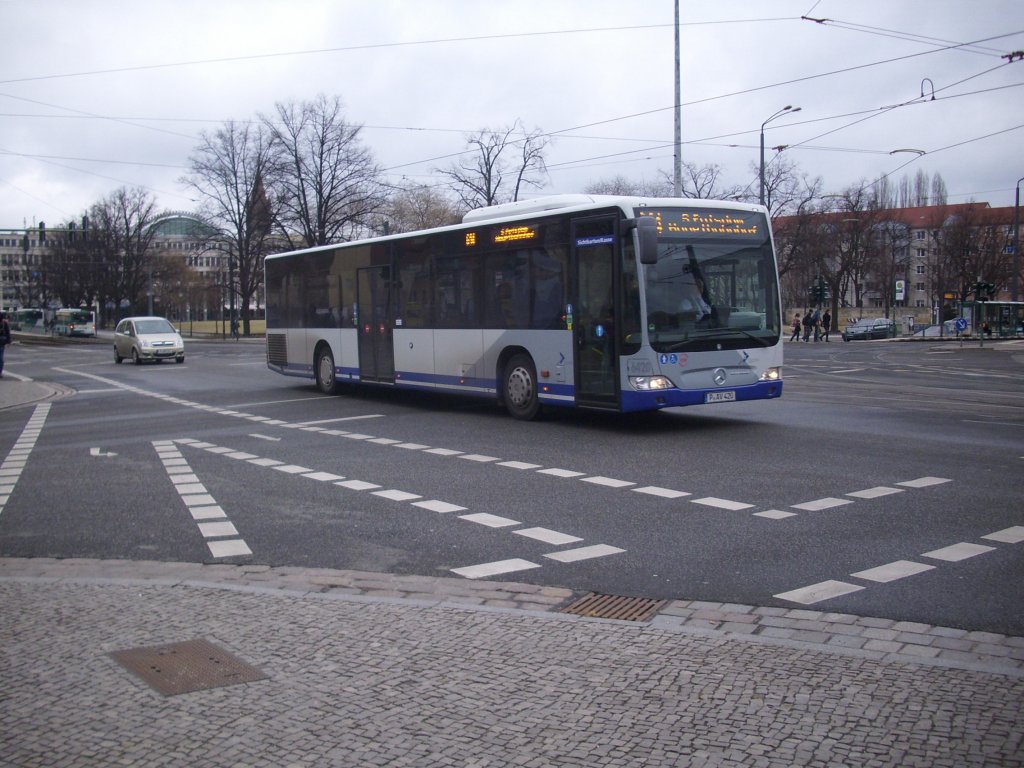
(594, 246)
(376, 352)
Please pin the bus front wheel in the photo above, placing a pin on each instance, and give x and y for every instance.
(326, 381)
(520, 388)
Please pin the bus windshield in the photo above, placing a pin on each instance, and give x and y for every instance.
(713, 286)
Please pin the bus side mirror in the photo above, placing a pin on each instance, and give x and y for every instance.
(647, 239)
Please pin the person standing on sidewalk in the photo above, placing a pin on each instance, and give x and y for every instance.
(826, 324)
(5, 339)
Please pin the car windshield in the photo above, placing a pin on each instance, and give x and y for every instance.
(711, 289)
(157, 325)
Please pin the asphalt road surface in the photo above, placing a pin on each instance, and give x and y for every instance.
(887, 481)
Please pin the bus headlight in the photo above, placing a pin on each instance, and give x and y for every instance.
(649, 383)
(772, 374)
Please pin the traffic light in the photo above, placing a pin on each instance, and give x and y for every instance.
(984, 291)
(819, 292)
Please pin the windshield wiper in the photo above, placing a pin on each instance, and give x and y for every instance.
(748, 334)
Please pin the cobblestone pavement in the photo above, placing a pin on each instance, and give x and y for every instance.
(377, 670)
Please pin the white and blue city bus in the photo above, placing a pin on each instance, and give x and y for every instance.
(600, 302)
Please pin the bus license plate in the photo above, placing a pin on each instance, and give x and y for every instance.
(720, 397)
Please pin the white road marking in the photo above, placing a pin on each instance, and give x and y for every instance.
(326, 477)
(548, 536)
(665, 493)
(11, 468)
(957, 552)
(874, 493)
(712, 501)
(815, 593)
(217, 530)
(357, 485)
(438, 506)
(496, 568)
(608, 482)
(820, 504)
(478, 457)
(518, 465)
(775, 514)
(924, 482)
(293, 469)
(1012, 535)
(343, 418)
(584, 553)
(899, 569)
(491, 521)
(201, 505)
(229, 548)
(560, 472)
(395, 495)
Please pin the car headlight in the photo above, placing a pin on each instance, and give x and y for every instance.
(771, 374)
(649, 383)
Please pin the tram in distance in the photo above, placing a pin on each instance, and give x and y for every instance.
(586, 301)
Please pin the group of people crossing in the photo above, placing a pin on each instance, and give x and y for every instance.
(814, 322)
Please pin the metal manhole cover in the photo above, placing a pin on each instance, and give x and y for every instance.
(193, 665)
(600, 606)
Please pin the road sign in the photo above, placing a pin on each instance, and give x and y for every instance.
(961, 324)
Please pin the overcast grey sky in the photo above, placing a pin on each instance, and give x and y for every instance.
(98, 94)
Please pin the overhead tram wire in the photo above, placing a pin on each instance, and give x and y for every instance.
(373, 46)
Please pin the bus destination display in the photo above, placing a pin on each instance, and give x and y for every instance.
(706, 222)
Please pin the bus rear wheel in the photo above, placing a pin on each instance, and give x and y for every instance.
(520, 388)
(326, 381)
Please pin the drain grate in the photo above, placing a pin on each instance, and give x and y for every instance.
(193, 665)
(601, 606)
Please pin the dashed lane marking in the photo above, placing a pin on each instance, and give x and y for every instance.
(820, 504)
(957, 552)
(712, 501)
(612, 483)
(17, 457)
(221, 537)
(204, 507)
(900, 569)
(815, 593)
(497, 568)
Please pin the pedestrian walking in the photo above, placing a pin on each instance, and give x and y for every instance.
(5, 339)
(234, 329)
(796, 328)
(808, 325)
(826, 324)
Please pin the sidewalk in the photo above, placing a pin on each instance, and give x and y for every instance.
(361, 669)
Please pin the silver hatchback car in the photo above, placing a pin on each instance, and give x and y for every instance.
(147, 338)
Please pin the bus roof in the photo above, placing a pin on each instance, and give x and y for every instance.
(522, 209)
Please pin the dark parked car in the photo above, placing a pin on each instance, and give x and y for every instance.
(879, 328)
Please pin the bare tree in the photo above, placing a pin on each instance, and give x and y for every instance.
(498, 166)
(419, 207)
(326, 182)
(620, 185)
(703, 182)
(788, 190)
(120, 238)
(228, 169)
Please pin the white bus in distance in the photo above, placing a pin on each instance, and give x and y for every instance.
(599, 302)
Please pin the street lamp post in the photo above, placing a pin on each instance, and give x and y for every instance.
(784, 110)
(1015, 284)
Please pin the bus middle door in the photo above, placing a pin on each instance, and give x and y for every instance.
(376, 312)
(594, 242)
